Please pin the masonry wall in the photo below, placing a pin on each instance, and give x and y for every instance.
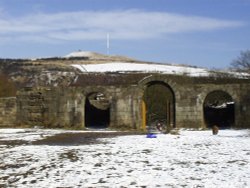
(65, 107)
(189, 106)
(190, 94)
(8, 112)
(190, 100)
(45, 107)
(242, 97)
(126, 108)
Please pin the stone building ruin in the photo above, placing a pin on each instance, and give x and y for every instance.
(98, 91)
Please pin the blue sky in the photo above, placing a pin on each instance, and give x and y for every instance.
(205, 33)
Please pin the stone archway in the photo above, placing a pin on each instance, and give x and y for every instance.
(159, 100)
(218, 109)
(97, 111)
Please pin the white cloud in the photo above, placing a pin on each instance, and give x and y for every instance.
(89, 25)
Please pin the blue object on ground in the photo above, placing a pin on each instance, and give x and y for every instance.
(151, 135)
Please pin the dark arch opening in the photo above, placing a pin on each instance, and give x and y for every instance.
(97, 111)
(160, 104)
(219, 110)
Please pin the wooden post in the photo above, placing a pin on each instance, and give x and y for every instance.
(143, 115)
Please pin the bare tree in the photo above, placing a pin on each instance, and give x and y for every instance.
(242, 63)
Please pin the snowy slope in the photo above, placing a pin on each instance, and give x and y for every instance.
(191, 159)
(104, 63)
(139, 67)
(81, 54)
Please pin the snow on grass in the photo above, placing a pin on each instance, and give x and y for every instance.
(81, 54)
(191, 159)
(26, 134)
(137, 67)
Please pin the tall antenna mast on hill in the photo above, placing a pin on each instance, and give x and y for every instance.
(107, 43)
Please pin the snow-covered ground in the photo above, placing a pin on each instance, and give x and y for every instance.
(191, 159)
(81, 54)
(139, 67)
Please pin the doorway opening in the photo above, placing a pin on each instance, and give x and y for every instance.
(97, 111)
(218, 110)
(160, 105)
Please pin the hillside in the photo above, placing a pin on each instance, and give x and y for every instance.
(62, 71)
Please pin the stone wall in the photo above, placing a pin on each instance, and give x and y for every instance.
(65, 106)
(190, 94)
(126, 108)
(189, 105)
(8, 112)
(45, 107)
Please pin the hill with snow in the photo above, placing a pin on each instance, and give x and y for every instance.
(62, 71)
(110, 64)
(123, 67)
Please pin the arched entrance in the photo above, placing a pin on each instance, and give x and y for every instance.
(159, 104)
(97, 111)
(218, 110)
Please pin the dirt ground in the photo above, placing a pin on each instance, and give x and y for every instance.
(69, 139)
(76, 139)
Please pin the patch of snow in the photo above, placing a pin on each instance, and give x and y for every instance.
(9, 131)
(221, 106)
(243, 75)
(191, 159)
(80, 54)
(137, 67)
(26, 134)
